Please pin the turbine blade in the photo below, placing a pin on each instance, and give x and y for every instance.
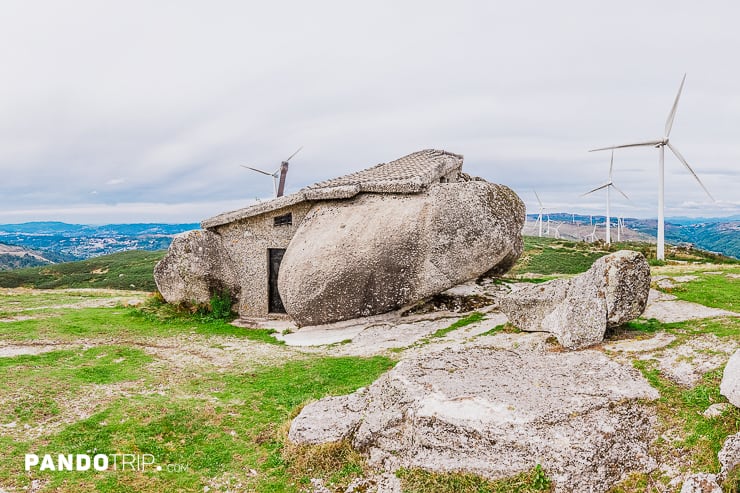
(683, 161)
(296, 152)
(672, 114)
(636, 144)
(620, 191)
(257, 170)
(611, 166)
(596, 189)
(538, 198)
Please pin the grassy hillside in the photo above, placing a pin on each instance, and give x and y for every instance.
(125, 270)
(10, 261)
(548, 256)
(134, 269)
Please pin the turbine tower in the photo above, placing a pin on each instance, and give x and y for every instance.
(539, 216)
(281, 172)
(608, 185)
(661, 144)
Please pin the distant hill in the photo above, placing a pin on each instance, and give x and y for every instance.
(721, 235)
(135, 269)
(124, 270)
(61, 242)
(15, 257)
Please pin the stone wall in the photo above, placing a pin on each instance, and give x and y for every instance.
(247, 242)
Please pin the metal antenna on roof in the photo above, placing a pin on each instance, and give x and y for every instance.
(284, 173)
(281, 172)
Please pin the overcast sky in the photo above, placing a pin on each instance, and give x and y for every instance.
(142, 111)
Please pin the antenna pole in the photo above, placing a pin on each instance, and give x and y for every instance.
(283, 174)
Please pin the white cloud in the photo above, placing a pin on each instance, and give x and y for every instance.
(522, 89)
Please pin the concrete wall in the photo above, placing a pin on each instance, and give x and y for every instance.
(247, 242)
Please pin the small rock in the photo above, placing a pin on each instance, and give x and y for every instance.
(729, 456)
(730, 386)
(715, 410)
(577, 311)
(360, 485)
(329, 420)
(701, 483)
(665, 283)
(318, 486)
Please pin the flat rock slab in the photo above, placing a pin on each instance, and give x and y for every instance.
(668, 309)
(370, 335)
(497, 412)
(686, 363)
(658, 341)
(11, 350)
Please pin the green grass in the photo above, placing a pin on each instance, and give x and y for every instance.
(507, 327)
(702, 438)
(123, 323)
(470, 319)
(422, 481)
(39, 382)
(715, 290)
(229, 423)
(115, 271)
(720, 327)
(220, 421)
(550, 256)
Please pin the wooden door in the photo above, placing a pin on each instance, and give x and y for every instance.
(275, 303)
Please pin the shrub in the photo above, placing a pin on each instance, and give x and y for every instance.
(221, 305)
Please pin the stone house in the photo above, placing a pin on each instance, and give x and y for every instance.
(361, 244)
(257, 236)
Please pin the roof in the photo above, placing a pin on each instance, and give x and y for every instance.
(410, 174)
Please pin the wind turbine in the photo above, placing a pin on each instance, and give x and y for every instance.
(281, 172)
(661, 144)
(608, 185)
(593, 234)
(557, 230)
(539, 216)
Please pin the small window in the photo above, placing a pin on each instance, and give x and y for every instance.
(284, 220)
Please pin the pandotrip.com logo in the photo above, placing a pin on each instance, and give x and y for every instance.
(98, 462)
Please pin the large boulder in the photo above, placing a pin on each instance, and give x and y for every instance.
(579, 310)
(730, 386)
(497, 413)
(195, 268)
(378, 252)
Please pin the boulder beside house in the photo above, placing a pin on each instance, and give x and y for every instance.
(358, 245)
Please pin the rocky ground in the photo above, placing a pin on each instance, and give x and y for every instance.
(470, 392)
(487, 398)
